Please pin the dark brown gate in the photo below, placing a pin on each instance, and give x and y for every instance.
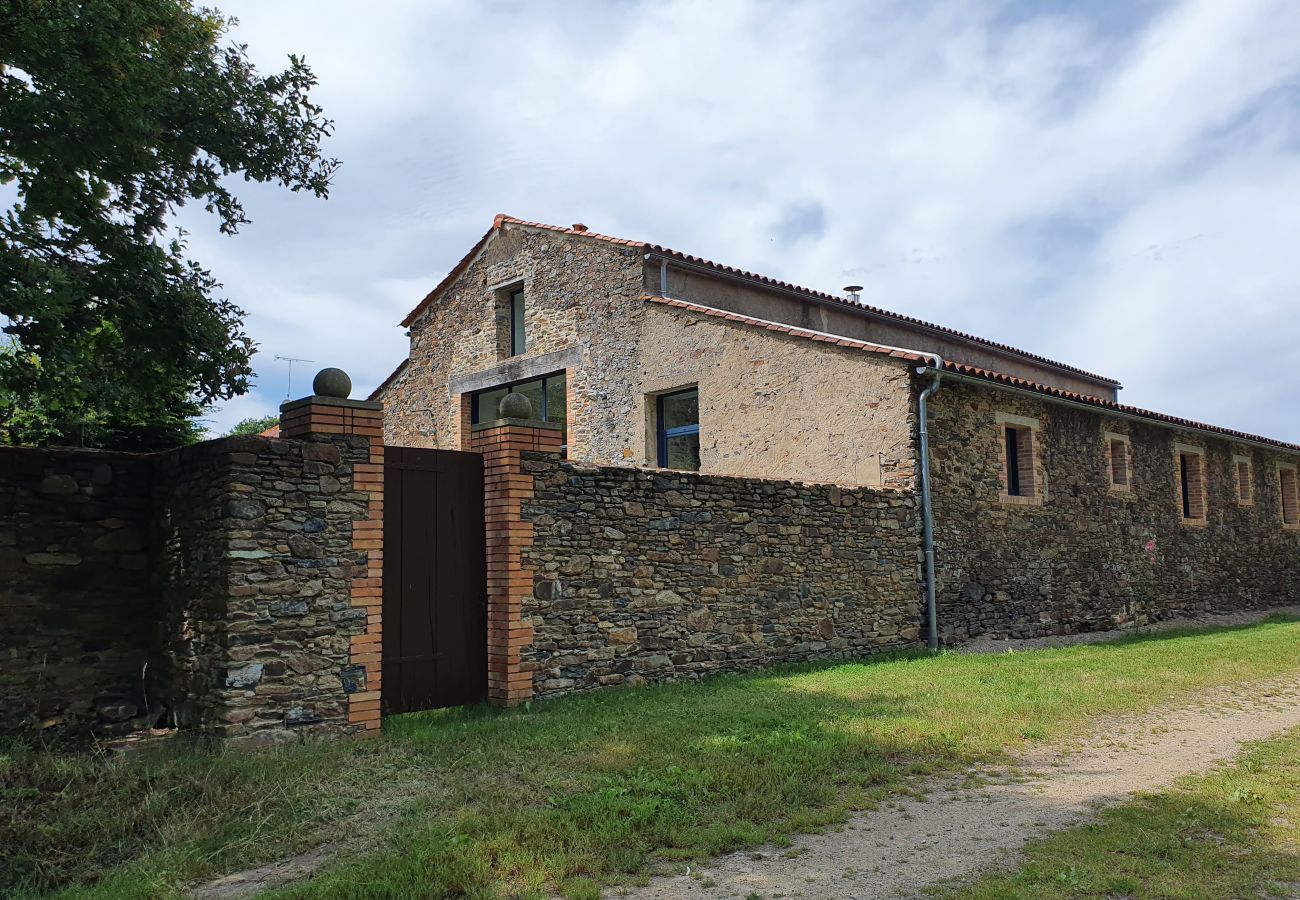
(435, 580)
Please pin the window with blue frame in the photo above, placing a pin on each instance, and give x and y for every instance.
(548, 394)
(679, 430)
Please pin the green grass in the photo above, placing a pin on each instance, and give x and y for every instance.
(1233, 833)
(577, 793)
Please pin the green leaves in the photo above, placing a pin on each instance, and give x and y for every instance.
(113, 115)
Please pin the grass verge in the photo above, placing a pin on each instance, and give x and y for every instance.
(1233, 833)
(576, 793)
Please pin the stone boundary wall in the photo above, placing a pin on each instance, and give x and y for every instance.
(76, 602)
(654, 575)
(219, 587)
(1085, 556)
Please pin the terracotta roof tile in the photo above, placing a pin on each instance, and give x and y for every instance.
(976, 372)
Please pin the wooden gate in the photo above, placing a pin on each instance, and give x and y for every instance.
(435, 580)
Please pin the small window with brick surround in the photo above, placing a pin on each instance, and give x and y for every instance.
(1190, 475)
(1018, 455)
(1290, 490)
(1241, 473)
(1119, 463)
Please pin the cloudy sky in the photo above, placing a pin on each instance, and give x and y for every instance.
(1112, 184)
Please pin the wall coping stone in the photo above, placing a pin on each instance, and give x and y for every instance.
(320, 400)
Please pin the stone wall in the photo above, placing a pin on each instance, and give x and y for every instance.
(642, 575)
(76, 624)
(257, 568)
(1083, 556)
(211, 587)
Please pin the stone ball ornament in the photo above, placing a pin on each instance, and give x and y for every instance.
(515, 406)
(332, 382)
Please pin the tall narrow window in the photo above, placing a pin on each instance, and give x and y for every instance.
(1245, 491)
(1119, 463)
(518, 336)
(679, 430)
(1290, 497)
(1018, 461)
(1013, 462)
(1191, 485)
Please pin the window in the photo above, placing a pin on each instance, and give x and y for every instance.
(1118, 461)
(1245, 490)
(518, 334)
(1191, 484)
(679, 430)
(1018, 453)
(1290, 496)
(548, 394)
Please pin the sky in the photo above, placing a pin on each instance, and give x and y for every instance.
(1115, 185)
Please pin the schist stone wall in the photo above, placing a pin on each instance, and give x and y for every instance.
(256, 566)
(1084, 555)
(652, 575)
(221, 587)
(76, 603)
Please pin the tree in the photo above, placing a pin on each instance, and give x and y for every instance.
(255, 426)
(113, 115)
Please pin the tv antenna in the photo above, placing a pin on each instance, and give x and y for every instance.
(288, 391)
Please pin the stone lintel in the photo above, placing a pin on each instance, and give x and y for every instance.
(517, 369)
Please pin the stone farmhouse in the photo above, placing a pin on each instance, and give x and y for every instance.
(697, 470)
(1052, 506)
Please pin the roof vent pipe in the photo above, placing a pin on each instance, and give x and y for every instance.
(854, 291)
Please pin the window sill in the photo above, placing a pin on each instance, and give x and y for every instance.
(1122, 490)
(1193, 523)
(1295, 527)
(1020, 500)
(1246, 504)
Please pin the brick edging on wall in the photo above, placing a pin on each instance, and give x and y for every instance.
(509, 584)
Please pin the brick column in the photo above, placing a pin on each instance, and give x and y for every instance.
(325, 417)
(509, 584)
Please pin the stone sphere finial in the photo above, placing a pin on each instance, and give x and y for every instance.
(515, 406)
(332, 382)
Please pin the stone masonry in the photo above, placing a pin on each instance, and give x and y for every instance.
(76, 602)
(232, 587)
(653, 575)
(1085, 556)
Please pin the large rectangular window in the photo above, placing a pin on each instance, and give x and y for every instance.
(548, 395)
(679, 430)
(518, 334)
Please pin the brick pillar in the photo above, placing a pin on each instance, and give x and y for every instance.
(327, 417)
(509, 584)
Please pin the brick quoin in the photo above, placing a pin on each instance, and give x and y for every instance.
(329, 416)
(506, 488)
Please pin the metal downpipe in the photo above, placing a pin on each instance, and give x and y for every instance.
(927, 514)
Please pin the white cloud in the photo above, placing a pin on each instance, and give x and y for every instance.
(1034, 177)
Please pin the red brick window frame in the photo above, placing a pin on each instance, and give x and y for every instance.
(1020, 469)
(1189, 484)
(1289, 495)
(1119, 462)
(1243, 480)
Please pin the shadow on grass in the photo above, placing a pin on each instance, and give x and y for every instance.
(585, 789)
